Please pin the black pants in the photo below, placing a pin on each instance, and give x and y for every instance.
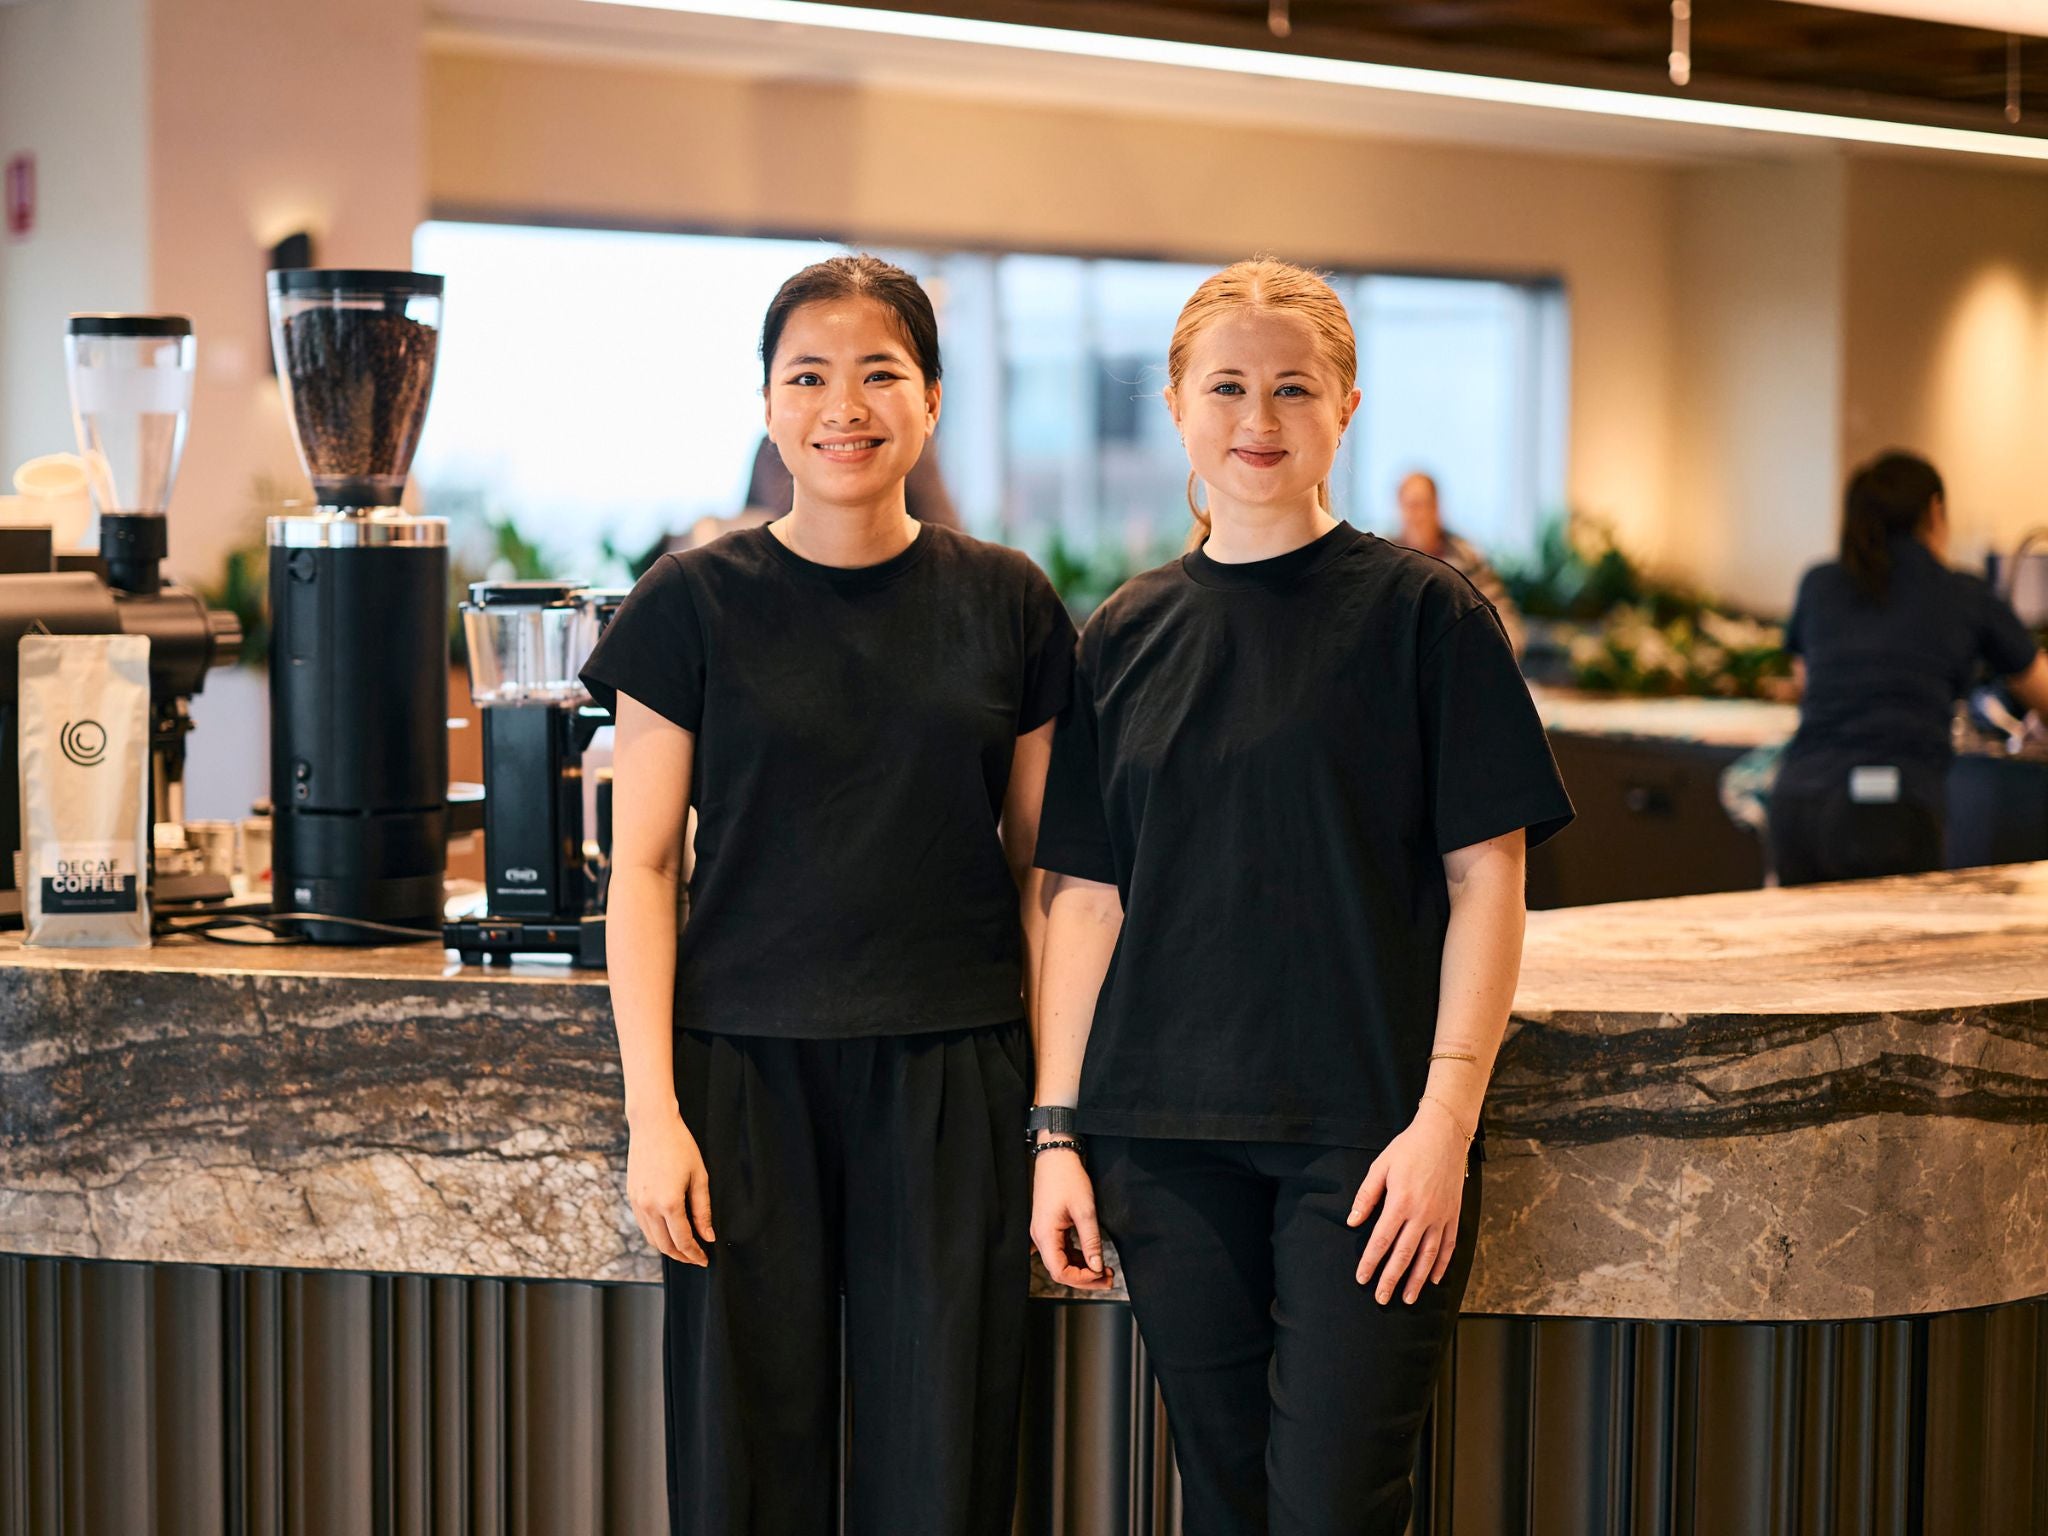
(1295, 1399)
(893, 1169)
(1828, 836)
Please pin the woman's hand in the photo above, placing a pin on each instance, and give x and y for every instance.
(669, 1188)
(1063, 1222)
(1419, 1184)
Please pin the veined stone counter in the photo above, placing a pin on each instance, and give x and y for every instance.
(1823, 1103)
(1780, 1105)
(1709, 722)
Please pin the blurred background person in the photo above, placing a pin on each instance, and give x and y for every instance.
(1422, 528)
(1885, 639)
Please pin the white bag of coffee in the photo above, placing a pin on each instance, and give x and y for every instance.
(84, 720)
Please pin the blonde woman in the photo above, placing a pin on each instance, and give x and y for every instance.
(1286, 820)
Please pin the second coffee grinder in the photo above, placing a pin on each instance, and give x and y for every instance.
(544, 883)
(359, 615)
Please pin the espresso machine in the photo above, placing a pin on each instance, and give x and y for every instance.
(131, 393)
(544, 881)
(359, 615)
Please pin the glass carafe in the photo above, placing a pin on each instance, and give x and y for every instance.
(527, 641)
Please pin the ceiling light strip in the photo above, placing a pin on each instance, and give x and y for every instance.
(1352, 72)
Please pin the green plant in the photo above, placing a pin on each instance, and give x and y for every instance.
(493, 550)
(1707, 653)
(1085, 577)
(1635, 633)
(243, 585)
(486, 548)
(623, 567)
(1577, 571)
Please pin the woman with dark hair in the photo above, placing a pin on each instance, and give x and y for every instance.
(826, 1073)
(1885, 639)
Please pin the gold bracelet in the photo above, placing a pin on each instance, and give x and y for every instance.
(1452, 1056)
(1440, 1104)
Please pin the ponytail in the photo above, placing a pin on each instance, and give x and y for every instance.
(1888, 498)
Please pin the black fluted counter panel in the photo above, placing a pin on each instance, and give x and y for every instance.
(191, 1401)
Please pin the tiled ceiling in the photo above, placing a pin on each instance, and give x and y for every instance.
(1755, 51)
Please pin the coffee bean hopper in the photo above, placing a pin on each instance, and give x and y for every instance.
(359, 615)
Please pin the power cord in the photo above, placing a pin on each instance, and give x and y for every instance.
(216, 927)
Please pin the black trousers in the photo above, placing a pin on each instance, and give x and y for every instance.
(891, 1170)
(1295, 1399)
(1828, 836)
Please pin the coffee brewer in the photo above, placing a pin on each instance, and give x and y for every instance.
(544, 884)
(131, 395)
(359, 614)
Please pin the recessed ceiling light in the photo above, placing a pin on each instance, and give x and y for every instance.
(1377, 77)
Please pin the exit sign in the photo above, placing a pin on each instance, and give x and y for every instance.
(21, 196)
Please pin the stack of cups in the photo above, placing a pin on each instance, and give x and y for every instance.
(52, 492)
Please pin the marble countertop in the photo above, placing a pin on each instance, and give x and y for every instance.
(1740, 724)
(1824, 1103)
(1959, 939)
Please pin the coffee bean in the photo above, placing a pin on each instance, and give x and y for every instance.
(359, 385)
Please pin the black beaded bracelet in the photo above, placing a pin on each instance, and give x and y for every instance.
(1067, 1144)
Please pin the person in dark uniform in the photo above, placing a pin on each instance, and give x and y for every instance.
(1286, 819)
(827, 1074)
(1886, 638)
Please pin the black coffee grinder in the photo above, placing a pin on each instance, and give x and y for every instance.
(359, 615)
(544, 883)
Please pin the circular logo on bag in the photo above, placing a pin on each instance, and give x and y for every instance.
(83, 741)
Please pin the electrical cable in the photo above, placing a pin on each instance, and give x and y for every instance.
(214, 926)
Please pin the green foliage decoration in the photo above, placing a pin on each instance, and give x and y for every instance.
(1621, 630)
(242, 586)
(1085, 577)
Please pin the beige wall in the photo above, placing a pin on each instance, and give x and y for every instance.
(74, 91)
(176, 140)
(1760, 277)
(1828, 310)
(1946, 336)
(1739, 332)
(264, 118)
(268, 118)
(516, 136)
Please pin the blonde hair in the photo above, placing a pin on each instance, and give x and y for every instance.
(1277, 287)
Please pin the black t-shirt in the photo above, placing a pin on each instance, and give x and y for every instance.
(1270, 761)
(854, 735)
(1882, 678)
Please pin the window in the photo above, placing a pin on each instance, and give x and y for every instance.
(599, 389)
(596, 389)
(1465, 381)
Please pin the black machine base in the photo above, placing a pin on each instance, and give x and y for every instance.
(481, 940)
(209, 892)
